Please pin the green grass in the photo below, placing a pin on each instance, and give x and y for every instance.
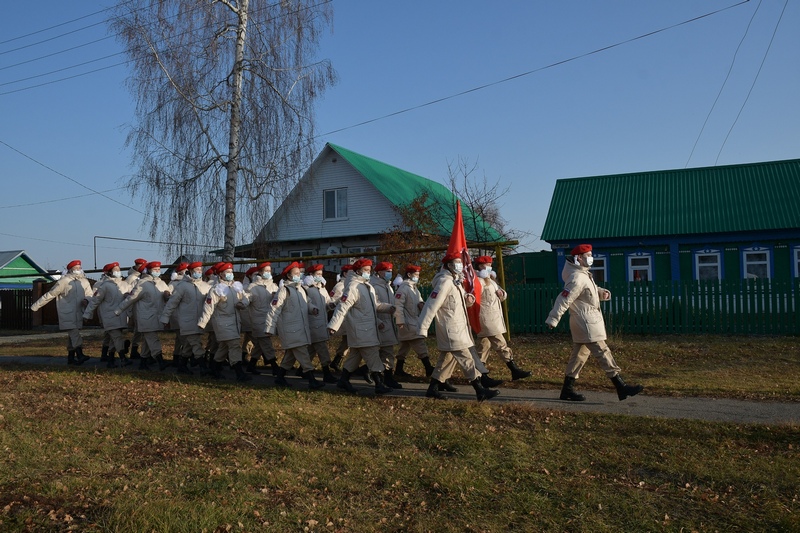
(127, 451)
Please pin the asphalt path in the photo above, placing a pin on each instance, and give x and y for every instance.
(642, 405)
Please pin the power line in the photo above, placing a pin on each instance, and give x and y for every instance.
(58, 199)
(755, 79)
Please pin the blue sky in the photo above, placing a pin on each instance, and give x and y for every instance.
(637, 106)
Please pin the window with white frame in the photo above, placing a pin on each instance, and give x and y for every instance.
(797, 261)
(640, 267)
(598, 269)
(334, 204)
(756, 262)
(707, 265)
(301, 253)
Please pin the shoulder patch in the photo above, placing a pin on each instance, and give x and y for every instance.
(434, 294)
(565, 293)
(332, 294)
(275, 301)
(398, 295)
(344, 297)
(208, 300)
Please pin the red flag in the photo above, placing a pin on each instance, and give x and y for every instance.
(458, 245)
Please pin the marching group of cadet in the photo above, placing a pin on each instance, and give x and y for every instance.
(378, 320)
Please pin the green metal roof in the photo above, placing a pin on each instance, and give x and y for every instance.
(733, 198)
(401, 188)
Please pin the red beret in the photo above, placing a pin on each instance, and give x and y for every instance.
(194, 265)
(73, 264)
(290, 266)
(153, 264)
(346, 268)
(262, 266)
(412, 268)
(216, 267)
(484, 260)
(251, 271)
(222, 267)
(210, 272)
(361, 263)
(314, 268)
(109, 267)
(141, 267)
(451, 256)
(581, 249)
(182, 266)
(383, 265)
(140, 261)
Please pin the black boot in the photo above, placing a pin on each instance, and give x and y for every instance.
(104, 354)
(251, 366)
(135, 352)
(488, 382)
(623, 390)
(337, 360)
(124, 361)
(481, 392)
(389, 380)
(144, 363)
(568, 391)
(298, 371)
(71, 357)
(433, 390)
(313, 384)
(280, 379)
(428, 366)
(446, 386)
(344, 382)
(364, 371)
(380, 386)
(241, 375)
(183, 367)
(400, 372)
(273, 364)
(327, 375)
(162, 363)
(79, 357)
(110, 360)
(517, 372)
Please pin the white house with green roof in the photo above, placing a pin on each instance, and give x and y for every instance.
(345, 201)
(18, 270)
(713, 223)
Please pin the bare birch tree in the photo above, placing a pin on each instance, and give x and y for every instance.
(225, 94)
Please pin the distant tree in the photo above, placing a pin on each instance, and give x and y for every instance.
(225, 97)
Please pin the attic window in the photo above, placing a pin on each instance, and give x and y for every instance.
(334, 204)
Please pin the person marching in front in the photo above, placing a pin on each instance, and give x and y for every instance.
(408, 304)
(71, 293)
(260, 292)
(106, 298)
(448, 304)
(318, 323)
(186, 305)
(288, 316)
(134, 273)
(381, 281)
(359, 305)
(582, 297)
(336, 293)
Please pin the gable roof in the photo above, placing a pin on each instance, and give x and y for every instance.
(733, 198)
(17, 263)
(401, 187)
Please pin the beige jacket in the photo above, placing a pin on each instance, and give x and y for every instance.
(288, 316)
(185, 306)
(318, 324)
(260, 293)
(448, 305)
(387, 333)
(69, 292)
(407, 309)
(107, 297)
(582, 297)
(360, 306)
(221, 309)
(492, 322)
(148, 295)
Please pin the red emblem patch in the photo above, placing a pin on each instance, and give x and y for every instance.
(434, 294)
(332, 294)
(565, 293)
(398, 295)
(208, 300)
(275, 301)
(344, 297)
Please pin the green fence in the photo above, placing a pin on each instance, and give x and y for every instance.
(755, 306)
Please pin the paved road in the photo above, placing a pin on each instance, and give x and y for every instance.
(717, 410)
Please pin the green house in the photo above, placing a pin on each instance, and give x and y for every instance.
(18, 270)
(724, 223)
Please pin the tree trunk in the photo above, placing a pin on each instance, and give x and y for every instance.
(233, 144)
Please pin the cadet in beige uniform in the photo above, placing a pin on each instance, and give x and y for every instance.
(289, 317)
(318, 323)
(177, 276)
(582, 297)
(341, 349)
(408, 303)
(186, 305)
(106, 298)
(358, 310)
(493, 325)
(134, 273)
(71, 293)
(448, 304)
(221, 309)
(260, 292)
(381, 281)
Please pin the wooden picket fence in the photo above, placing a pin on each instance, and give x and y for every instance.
(757, 306)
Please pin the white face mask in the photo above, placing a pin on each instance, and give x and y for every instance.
(266, 274)
(413, 279)
(197, 275)
(117, 274)
(296, 279)
(387, 275)
(78, 272)
(365, 275)
(229, 276)
(589, 261)
(483, 274)
(319, 279)
(155, 273)
(458, 267)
